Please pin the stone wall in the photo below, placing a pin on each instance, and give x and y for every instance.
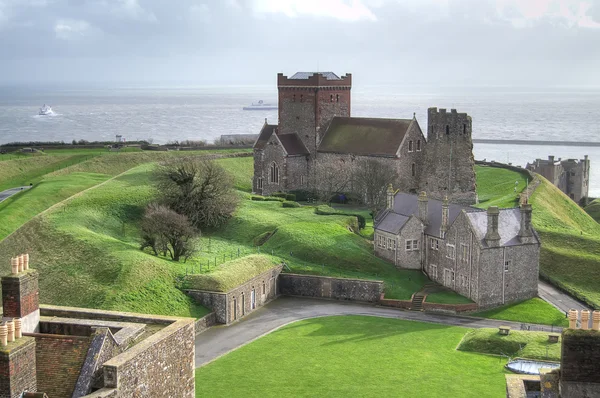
(17, 368)
(579, 366)
(331, 288)
(102, 348)
(215, 301)
(410, 259)
(273, 154)
(205, 323)
(297, 172)
(160, 366)
(406, 158)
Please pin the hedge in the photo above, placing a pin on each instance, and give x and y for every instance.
(325, 210)
(289, 203)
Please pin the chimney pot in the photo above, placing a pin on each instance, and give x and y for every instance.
(3, 335)
(20, 258)
(573, 319)
(11, 331)
(585, 319)
(25, 261)
(14, 265)
(18, 331)
(596, 320)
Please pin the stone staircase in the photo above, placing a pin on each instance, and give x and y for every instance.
(417, 301)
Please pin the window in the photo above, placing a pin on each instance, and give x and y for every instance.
(411, 244)
(464, 129)
(413, 169)
(294, 98)
(507, 265)
(447, 129)
(301, 180)
(274, 174)
(452, 276)
(435, 244)
(264, 288)
(331, 98)
(259, 183)
(418, 145)
(433, 271)
(389, 244)
(337, 98)
(464, 251)
(410, 146)
(301, 98)
(450, 251)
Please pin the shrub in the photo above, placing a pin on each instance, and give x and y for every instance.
(289, 203)
(274, 199)
(290, 197)
(279, 195)
(325, 210)
(258, 198)
(302, 195)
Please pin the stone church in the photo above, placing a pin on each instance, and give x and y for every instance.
(491, 257)
(315, 126)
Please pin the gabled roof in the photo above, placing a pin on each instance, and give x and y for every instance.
(392, 223)
(292, 144)
(265, 134)
(364, 136)
(509, 224)
(306, 75)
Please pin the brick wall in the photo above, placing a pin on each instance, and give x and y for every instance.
(59, 361)
(20, 295)
(579, 367)
(333, 288)
(17, 368)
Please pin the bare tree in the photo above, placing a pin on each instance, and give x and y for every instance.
(167, 232)
(331, 177)
(199, 189)
(370, 179)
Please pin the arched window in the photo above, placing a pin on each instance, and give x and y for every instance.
(418, 145)
(337, 98)
(414, 169)
(447, 129)
(274, 174)
(410, 146)
(331, 98)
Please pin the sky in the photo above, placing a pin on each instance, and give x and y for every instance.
(232, 42)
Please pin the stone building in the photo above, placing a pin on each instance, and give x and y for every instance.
(491, 257)
(572, 176)
(67, 352)
(316, 129)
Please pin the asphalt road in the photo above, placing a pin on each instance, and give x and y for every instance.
(560, 300)
(220, 340)
(10, 192)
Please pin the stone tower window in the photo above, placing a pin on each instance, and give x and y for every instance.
(331, 98)
(274, 173)
(464, 129)
(418, 145)
(413, 168)
(447, 129)
(294, 98)
(410, 146)
(259, 183)
(301, 98)
(337, 98)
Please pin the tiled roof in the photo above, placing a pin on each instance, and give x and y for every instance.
(264, 136)
(293, 144)
(364, 136)
(509, 223)
(306, 75)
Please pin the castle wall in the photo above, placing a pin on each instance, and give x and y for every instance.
(449, 164)
(330, 288)
(298, 172)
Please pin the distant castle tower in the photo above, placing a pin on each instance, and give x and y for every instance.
(449, 167)
(308, 101)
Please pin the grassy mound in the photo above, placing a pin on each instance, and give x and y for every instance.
(532, 345)
(87, 252)
(354, 356)
(496, 186)
(593, 209)
(231, 274)
(531, 311)
(570, 254)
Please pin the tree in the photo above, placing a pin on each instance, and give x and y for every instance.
(165, 231)
(199, 189)
(331, 177)
(370, 179)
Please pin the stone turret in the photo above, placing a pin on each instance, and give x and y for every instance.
(492, 237)
(423, 208)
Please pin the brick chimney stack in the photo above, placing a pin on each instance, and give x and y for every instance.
(20, 295)
(423, 210)
(492, 237)
(390, 197)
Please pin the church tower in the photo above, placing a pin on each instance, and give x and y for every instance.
(449, 167)
(308, 101)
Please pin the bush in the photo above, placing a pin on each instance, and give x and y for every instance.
(258, 198)
(274, 199)
(325, 210)
(290, 197)
(289, 203)
(302, 196)
(279, 194)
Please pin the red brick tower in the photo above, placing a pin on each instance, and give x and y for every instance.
(308, 101)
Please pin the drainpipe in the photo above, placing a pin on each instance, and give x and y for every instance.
(503, 262)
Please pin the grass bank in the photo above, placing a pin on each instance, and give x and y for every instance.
(496, 186)
(354, 356)
(593, 209)
(534, 310)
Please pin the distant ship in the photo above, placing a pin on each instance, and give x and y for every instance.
(45, 110)
(260, 106)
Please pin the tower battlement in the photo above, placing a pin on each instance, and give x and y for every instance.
(441, 123)
(314, 79)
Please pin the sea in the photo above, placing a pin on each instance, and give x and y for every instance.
(166, 113)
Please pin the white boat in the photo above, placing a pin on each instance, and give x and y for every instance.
(260, 106)
(45, 110)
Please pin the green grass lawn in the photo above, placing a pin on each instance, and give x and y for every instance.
(496, 186)
(570, 254)
(354, 356)
(533, 345)
(593, 209)
(534, 310)
(447, 297)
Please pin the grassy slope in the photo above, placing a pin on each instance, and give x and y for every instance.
(570, 255)
(87, 252)
(495, 186)
(531, 311)
(354, 356)
(593, 209)
(517, 344)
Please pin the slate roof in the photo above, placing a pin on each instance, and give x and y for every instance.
(306, 75)
(364, 136)
(265, 134)
(509, 223)
(293, 144)
(407, 204)
(392, 223)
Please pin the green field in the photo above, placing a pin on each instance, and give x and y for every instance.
(593, 209)
(570, 255)
(496, 186)
(354, 356)
(534, 310)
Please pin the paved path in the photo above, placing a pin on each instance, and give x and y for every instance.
(557, 298)
(10, 192)
(219, 340)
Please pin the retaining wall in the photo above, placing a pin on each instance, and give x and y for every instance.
(331, 288)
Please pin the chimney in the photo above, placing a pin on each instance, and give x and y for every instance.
(3, 335)
(525, 232)
(596, 320)
(20, 295)
(492, 237)
(10, 326)
(390, 197)
(18, 324)
(585, 319)
(17, 365)
(423, 211)
(445, 217)
(573, 319)
(551, 159)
